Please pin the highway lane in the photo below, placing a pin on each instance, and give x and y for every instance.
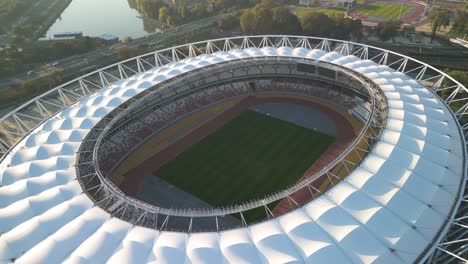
(93, 59)
(41, 70)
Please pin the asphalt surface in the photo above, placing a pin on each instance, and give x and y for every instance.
(93, 59)
(158, 192)
(299, 115)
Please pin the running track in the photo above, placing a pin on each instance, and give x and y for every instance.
(344, 134)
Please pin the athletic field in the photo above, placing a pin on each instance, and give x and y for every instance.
(386, 10)
(331, 11)
(249, 157)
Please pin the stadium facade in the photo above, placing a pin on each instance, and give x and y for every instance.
(404, 201)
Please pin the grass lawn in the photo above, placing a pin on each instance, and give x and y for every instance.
(300, 10)
(385, 10)
(251, 156)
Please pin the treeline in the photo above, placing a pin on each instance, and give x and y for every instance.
(228, 6)
(389, 29)
(12, 61)
(267, 17)
(58, 49)
(11, 8)
(179, 12)
(460, 76)
(460, 23)
(440, 17)
(170, 14)
(32, 88)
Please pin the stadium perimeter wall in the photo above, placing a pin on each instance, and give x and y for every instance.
(345, 124)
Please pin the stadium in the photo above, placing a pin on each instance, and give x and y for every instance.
(252, 149)
(408, 11)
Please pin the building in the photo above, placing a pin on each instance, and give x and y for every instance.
(68, 35)
(346, 3)
(401, 200)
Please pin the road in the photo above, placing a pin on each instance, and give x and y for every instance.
(93, 59)
(41, 13)
(41, 70)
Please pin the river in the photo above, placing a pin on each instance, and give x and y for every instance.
(96, 17)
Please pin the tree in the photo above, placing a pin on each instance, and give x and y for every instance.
(163, 14)
(150, 8)
(247, 21)
(460, 24)
(346, 28)
(229, 22)
(10, 66)
(269, 17)
(21, 34)
(317, 24)
(126, 52)
(407, 31)
(182, 10)
(388, 29)
(170, 20)
(438, 18)
(231, 4)
(198, 11)
(285, 22)
(263, 19)
(460, 76)
(269, 4)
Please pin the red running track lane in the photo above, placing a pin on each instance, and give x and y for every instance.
(344, 135)
(135, 176)
(410, 17)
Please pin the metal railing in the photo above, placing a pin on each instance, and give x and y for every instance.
(20, 122)
(108, 191)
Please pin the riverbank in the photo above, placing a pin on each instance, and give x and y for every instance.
(35, 19)
(53, 12)
(17, 92)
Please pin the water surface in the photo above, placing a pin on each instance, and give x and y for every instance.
(97, 17)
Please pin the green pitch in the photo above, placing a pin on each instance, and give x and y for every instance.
(249, 157)
(385, 10)
(331, 11)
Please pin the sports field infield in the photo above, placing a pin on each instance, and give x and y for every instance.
(249, 157)
(386, 10)
(331, 11)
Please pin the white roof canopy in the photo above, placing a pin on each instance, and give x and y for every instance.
(387, 210)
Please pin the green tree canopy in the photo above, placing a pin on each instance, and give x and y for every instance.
(317, 24)
(269, 17)
(229, 22)
(460, 76)
(199, 11)
(438, 18)
(460, 23)
(388, 29)
(285, 22)
(247, 21)
(163, 14)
